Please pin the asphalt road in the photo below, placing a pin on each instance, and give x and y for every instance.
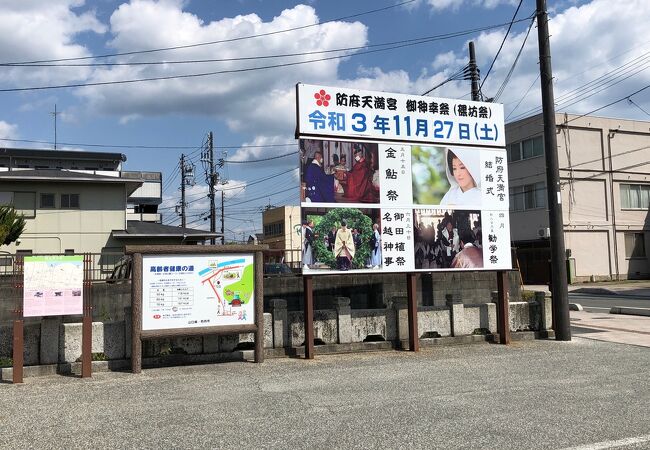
(530, 395)
(602, 303)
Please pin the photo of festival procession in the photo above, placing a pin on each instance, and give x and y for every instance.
(446, 176)
(341, 239)
(339, 172)
(447, 239)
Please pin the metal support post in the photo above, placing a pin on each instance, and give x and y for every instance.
(412, 308)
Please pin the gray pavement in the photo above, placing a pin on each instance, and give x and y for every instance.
(530, 395)
(603, 303)
(638, 288)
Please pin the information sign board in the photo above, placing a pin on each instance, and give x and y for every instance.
(53, 285)
(191, 291)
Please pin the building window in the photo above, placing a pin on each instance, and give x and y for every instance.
(69, 200)
(47, 201)
(634, 245)
(635, 196)
(526, 149)
(529, 196)
(25, 203)
(274, 229)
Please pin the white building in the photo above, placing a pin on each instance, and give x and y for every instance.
(605, 176)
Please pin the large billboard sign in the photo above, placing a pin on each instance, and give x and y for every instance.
(400, 194)
(353, 113)
(191, 291)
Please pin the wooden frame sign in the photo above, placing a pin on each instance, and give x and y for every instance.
(196, 290)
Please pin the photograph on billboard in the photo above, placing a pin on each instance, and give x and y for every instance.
(339, 171)
(186, 291)
(53, 285)
(447, 239)
(341, 239)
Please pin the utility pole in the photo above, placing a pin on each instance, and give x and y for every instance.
(561, 325)
(223, 236)
(223, 196)
(473, 73)
(183, 219)
(211, 178)
(187, 179)
(55, 113)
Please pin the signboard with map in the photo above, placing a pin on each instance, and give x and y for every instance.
(191, 291)
(53, 285)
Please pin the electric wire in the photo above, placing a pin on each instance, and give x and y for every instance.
(221, 41)
(514, 64)
(247, 69)
(501, 46)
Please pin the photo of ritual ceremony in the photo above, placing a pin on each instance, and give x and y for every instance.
(339, 172)
(447, 239)
(341, 239)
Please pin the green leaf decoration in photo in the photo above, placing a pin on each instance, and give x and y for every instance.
(333, 218)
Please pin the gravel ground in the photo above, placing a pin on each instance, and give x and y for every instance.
(530, 395)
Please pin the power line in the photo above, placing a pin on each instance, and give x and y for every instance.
(454, 76)
(148, 147)
(200, 196)
(501, 46)
(263, 196)
(221, 41)
(514, 64)
(230, 161)
(213, 60)
(610, 104)
(629, 99)
(598, 84)
(248, 69)
(523, 96)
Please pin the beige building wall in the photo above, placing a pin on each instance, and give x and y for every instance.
(282, 231)
(596, 156)
(55, 230)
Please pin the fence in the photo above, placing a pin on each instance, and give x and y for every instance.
(103, 267)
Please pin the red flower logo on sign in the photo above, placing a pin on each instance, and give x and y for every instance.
(322, 98)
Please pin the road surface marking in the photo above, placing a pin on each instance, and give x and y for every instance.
(612, 444)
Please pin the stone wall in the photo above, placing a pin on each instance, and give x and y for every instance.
(52, 341)
(365, 291)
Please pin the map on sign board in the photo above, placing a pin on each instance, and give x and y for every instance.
(53, 285)
(185, 291)
(395, 182)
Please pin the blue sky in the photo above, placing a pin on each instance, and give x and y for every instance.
(256, 107)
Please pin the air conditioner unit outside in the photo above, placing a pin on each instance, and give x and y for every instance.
(544, 232)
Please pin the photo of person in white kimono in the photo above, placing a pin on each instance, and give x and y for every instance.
(464, 174)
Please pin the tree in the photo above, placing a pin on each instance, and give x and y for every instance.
(12, 225)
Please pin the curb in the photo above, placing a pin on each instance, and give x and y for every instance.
(630, 311)
(596, 291)
(575, 307)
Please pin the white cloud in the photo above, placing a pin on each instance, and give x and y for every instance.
(7, 131)
(583, 48)
(267, 147)
(455, 5)
(37, 30)
(258, 101)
